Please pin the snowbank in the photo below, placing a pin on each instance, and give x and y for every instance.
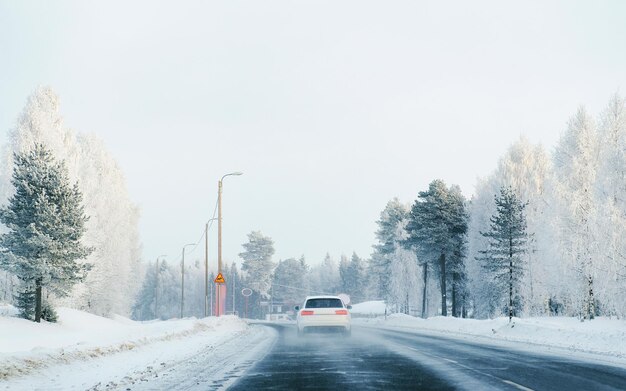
(601, 335)
(376, 307)
(7, 310)
(25, 345)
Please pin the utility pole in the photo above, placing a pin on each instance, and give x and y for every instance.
(220, 305)
(219, 246)
(156, 290)
(206, 268)
(233, 288)
(182, 286)
(219, 226)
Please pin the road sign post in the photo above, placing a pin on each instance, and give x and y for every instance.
(220, 294)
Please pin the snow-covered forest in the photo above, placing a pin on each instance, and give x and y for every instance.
(111, 285)
(572, 260)
(541, 235)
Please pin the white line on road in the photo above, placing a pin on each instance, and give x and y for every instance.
(518, 386)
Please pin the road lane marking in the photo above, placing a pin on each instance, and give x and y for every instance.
(513, 384)
(518, 386)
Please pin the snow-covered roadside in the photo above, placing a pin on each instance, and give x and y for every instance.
(84, 351)
(601, 336)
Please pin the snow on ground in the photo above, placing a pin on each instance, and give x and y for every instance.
(600, 336)
(84, 351)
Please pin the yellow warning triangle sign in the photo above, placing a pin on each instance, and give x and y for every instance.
(220, 279)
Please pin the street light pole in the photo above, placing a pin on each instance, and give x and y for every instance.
(182, 286)
(220, 308)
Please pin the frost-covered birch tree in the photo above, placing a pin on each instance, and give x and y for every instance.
(403, 279)
(610, 192)
(390, 235)
(576, 162)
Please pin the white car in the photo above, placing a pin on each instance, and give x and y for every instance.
(320, 313)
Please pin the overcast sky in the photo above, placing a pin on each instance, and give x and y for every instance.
(330, 108)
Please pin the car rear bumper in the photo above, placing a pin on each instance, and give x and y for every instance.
(324, 321)
(325, 329)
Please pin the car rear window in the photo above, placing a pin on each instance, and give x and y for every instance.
(324, 303)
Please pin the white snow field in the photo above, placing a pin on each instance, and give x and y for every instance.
(603, 336)
(88, 352)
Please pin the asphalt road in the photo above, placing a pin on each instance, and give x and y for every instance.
(374, 359)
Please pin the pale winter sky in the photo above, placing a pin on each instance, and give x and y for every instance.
(330, 108)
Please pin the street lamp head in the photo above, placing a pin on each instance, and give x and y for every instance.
(236, 173)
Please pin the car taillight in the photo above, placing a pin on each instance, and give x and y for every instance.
(306, 313)
(341, 312)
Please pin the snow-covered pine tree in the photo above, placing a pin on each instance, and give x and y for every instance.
(437, 226)
(257, 262)
(344, 275)
(358, 279)
(458, 276)
(288, 283)
(144, 307)
(46, 221)
(507, 243)
(324, 277)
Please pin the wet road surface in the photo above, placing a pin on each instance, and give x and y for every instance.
(374, 359)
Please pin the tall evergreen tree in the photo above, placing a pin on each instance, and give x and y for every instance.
(459, 223)
(144, 307)
(324, 277)
(507, 243)
(46, 222)
(257, 262)
(289, 283)
(357, 279)
(437, 228)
